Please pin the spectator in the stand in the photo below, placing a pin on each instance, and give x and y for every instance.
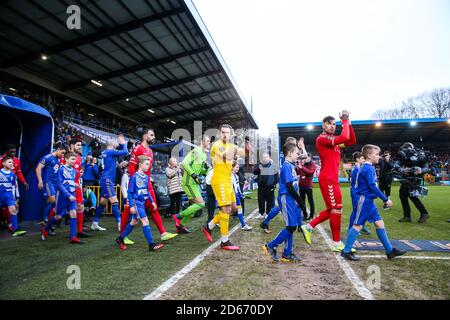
(96, 147)
(267, 181)
(91, 174)
(174, 175)
(306, 175)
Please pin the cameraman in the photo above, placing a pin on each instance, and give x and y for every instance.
(385, 176)
(412, 166)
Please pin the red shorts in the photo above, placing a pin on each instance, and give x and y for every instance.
(79, 196)
(331, 193)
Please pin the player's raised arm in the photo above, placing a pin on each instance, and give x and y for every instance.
(345, 134)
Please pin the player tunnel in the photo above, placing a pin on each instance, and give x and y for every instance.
(30, 128)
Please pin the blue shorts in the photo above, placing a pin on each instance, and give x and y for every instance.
(292, 214)
(49, 190)
(365, 211)
(7, 200)
(107, 189)
(140, 210)
(63, 204)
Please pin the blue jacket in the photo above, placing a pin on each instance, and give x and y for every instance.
(90, 172)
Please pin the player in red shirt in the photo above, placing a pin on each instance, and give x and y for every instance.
(329, 148)
(11, 151)
(148, 138)
(75, 146)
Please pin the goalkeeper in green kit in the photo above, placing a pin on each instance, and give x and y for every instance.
(194, 168)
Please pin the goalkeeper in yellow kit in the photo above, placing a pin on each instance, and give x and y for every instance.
(222, 154)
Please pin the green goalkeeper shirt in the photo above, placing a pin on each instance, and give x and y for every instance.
(194, 162)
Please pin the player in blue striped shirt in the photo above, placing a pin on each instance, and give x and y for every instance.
(107, 186)
(138, 194)
(7, 186)
(367, 191)
(359, 160)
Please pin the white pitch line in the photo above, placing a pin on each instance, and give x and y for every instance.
(351, 275)
(190, 266)
(368, 256)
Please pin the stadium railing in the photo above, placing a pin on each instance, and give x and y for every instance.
(118, 189)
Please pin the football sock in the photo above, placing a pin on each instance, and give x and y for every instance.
(335, 226)
(351, 238)
(382, 235)
(127, 230)
(79, 220)
(14, 222)
(98, 213)
(280, 238)
(156, 218)
(189, 212)
(224, 222)
(48, 209)
(124, 220)
(241, 219)
(288, 245)
(50, 223)
(147, 234)
(323, 216)
(116, 212)
(272, 214)
(73, 227)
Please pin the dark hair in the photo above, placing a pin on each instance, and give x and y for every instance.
(288, 147)
(10, 146)
(145, 131)
(60, 145)
(386, 152)
(6, 159)
(67, 155)
(328, 119)
(356, 155)
(74, 141)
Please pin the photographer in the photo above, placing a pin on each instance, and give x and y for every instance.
(410, 168)
(385, 177)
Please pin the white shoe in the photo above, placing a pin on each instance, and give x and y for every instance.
(246, 228)
(96, 227)
(261, 216)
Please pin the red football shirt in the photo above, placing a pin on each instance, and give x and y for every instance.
(140, 150)
(327, 146)
(16, 170)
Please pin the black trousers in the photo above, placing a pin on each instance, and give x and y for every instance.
(404, 196)
(309, 193)
(266, 198)
(175, 202)
(211, 203)
(385, 187)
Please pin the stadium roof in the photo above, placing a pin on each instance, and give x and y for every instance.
(155, 55)
(419, 131)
